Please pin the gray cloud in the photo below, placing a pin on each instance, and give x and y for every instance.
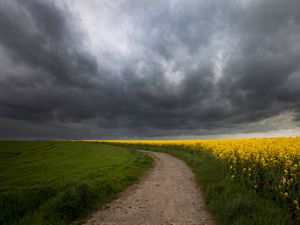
(140, 68)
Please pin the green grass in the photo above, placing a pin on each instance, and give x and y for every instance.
(54, 182)
(230, 201)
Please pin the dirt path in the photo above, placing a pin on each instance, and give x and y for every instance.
(166, 195)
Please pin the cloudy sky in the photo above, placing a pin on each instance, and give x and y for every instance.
(140, 68)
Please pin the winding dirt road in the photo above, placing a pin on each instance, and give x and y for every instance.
(166, 195)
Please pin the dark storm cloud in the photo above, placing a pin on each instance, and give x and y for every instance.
(53, 72)
(258, 78)
(187, 66)
(37, 34)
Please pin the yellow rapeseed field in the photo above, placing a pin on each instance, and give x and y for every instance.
(271, 166)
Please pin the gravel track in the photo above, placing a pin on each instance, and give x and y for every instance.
(165, 195)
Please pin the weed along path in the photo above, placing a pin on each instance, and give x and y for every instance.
(166, 195)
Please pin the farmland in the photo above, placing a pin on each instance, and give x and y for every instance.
(244, 181)
(55, 182)
(259, 177)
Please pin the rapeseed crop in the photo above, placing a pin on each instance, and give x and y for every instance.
(270, 166)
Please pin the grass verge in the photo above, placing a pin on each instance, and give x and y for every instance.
(230, 201)
(52, 182)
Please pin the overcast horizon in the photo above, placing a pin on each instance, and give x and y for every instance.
(73, 69)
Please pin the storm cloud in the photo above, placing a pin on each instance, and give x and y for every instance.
(128, 68)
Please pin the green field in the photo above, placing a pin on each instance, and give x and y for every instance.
(55, 182)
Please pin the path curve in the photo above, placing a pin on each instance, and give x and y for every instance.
(166, 195)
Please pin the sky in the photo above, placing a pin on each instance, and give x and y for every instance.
(98, 69)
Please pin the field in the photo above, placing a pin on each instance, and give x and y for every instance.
(245, 181)
(54, 182)
(260, 177)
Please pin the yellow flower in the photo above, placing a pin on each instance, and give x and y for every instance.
(283, 180)
(276, 159)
